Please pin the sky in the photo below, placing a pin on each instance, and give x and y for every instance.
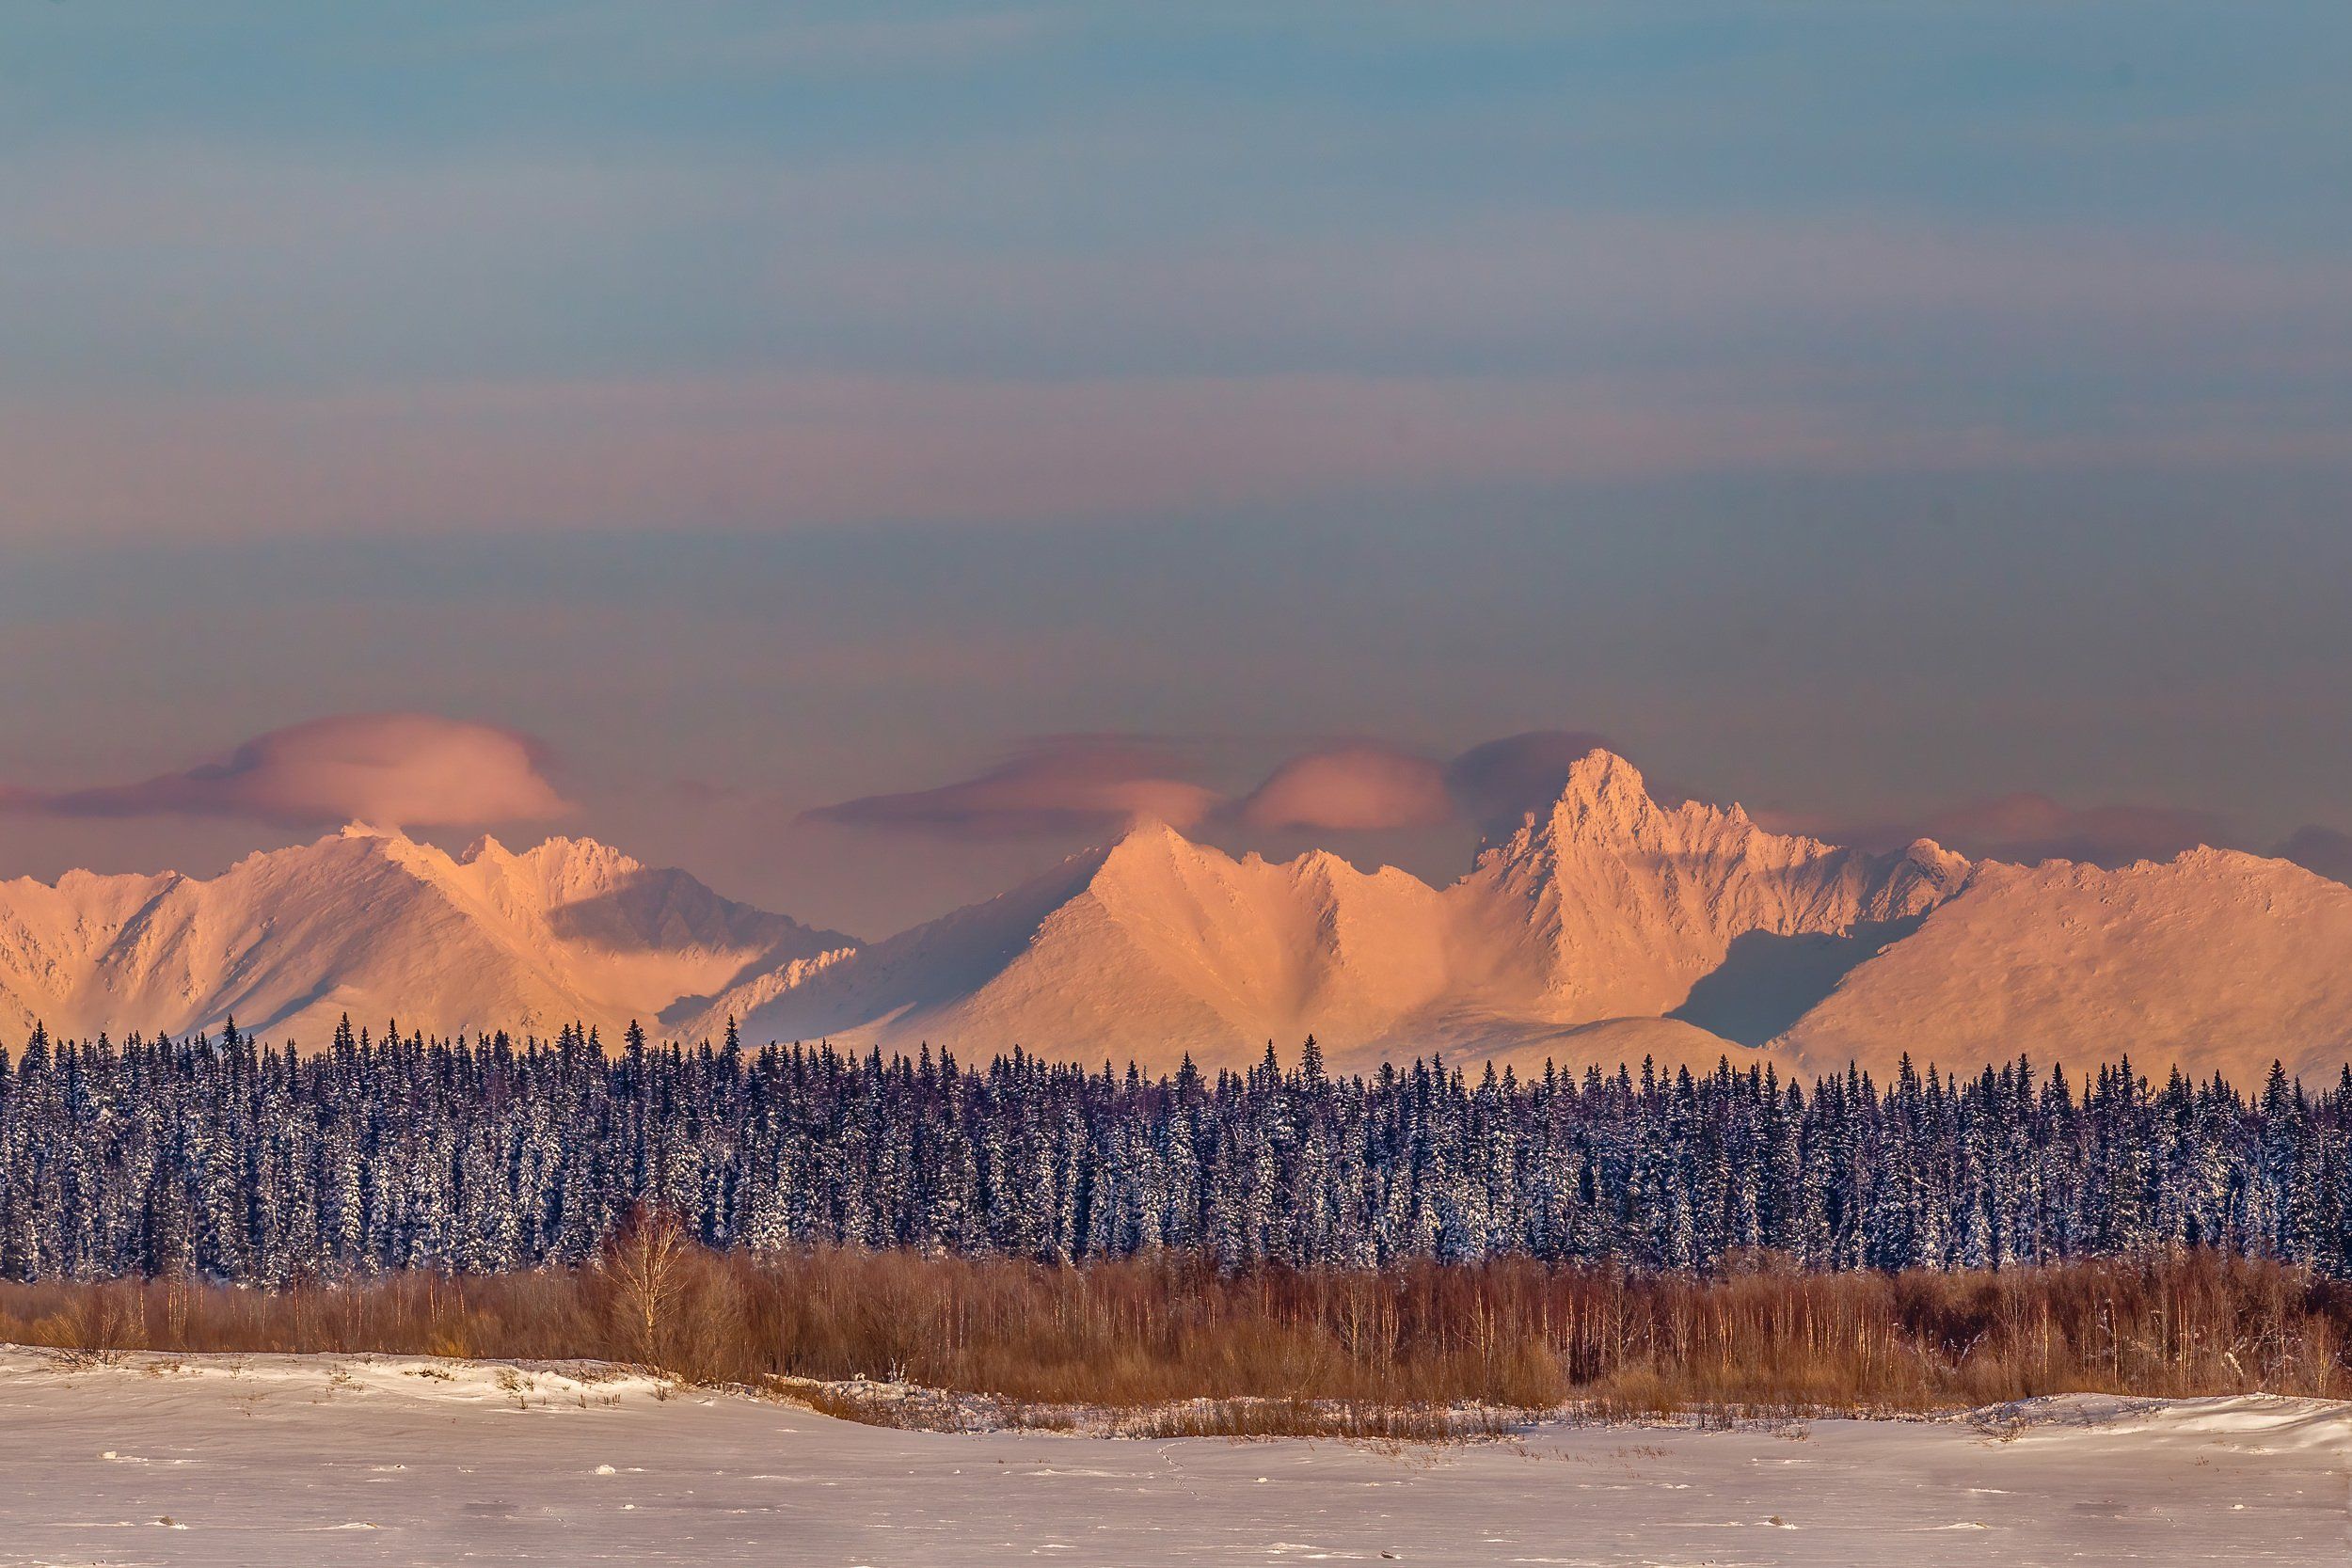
(861, 454)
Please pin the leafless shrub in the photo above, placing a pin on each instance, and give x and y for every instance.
(1768, 1344)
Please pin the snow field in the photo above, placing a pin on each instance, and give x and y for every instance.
(349, 1460)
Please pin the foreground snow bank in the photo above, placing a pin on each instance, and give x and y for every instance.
(333, 1460)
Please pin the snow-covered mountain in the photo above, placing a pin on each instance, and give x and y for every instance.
(1609, 907)
(2213, 959)
(1606, 927)
(1611, 928)
(379, 925)
(1150, 948)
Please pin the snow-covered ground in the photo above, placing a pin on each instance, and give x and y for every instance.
(331, 1460)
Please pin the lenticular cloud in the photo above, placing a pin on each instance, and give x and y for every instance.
(1075, 784)
(394, 770)
(1356, 786)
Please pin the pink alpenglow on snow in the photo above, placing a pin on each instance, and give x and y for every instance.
(1606, 927)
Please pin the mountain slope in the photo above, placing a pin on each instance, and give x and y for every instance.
(378, 925)
(2217, 960)
(1150, 948)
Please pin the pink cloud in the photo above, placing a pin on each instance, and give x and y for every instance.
(1084, 785)
(394, 770)
(1360, 785)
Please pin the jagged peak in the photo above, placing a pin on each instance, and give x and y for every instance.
(1149, 830)
(561, 866)
(576, 852)
(1606, 798)
(1929, 855)
(1602, 776)
(2205, 860)
(566, 844)
(1605, 809)
(1605, 789)
(1150, 857)
(2219, 856)
(1318, 862)
(2197, 858)
(78, 878)
(1148, 838)
(367, 840)
(1602, 791)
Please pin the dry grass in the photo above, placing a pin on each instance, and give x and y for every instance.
(1349, 1418)
(1399, 1352)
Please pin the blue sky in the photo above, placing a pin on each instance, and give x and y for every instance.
(1854, 408)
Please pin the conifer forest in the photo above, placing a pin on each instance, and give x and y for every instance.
(216, 1156)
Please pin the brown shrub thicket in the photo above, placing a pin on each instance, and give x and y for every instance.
(1763, 1338)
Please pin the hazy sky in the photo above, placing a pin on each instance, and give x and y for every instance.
(1864, 411)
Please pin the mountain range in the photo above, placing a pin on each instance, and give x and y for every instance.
(1609, 928)
(378, 925)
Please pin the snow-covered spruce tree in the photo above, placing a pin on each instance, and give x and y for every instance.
(218, 1156)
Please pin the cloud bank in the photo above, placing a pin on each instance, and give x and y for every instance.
(393, 770)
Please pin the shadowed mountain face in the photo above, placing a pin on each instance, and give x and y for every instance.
(1768, 981)
(1606, 928)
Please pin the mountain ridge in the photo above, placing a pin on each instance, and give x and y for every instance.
(1604, 923)
(370, 922)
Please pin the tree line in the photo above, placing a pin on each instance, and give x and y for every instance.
(218, 1156)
